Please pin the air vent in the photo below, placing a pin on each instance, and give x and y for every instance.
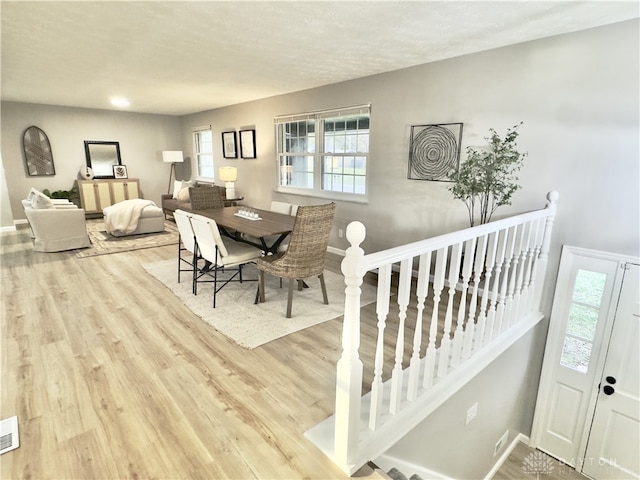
(9, 439)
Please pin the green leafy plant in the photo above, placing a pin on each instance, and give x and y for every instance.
(487, 179)
(70, 195)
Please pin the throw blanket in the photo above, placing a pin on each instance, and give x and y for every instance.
(123, 216)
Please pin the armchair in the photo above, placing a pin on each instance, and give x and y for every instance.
(55, 226)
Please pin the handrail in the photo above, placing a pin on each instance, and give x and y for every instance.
(486, 279)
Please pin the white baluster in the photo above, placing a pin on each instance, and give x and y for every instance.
(495, 289)
(528, 275)
(438, 285)
(382, 311)
(470, 252)
(404, 289)
(522, 248)
(422, 290)
(445, 343)
(533, 288)
(478, 267)
(508, 280)
(349, 366)
(492, 246)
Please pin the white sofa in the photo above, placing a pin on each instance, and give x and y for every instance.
(56, 225)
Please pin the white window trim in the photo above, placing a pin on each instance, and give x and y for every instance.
(195, 154)
(317, 191)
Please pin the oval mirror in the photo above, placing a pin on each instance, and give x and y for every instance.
(37, 152)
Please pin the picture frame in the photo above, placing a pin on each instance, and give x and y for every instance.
(101, 157)
(434, 151)
(248, 143)
(120, 171)
(229, 145)
(38, 155)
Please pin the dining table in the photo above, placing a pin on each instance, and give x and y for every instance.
(266, 227)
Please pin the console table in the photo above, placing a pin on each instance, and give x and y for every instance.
(95, 195)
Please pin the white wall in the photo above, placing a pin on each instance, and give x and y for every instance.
(142, 138)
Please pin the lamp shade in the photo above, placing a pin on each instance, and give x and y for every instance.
(228, 174)
(172, 156)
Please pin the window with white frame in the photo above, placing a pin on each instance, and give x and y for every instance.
(203, 148)
(324, 152)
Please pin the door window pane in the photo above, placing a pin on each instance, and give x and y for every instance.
(584, 312)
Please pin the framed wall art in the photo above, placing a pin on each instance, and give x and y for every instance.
(229, 145)
(248, 143)
(434, 151)
(37, 152)
(120, 171)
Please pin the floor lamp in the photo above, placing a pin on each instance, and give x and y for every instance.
(172, 157)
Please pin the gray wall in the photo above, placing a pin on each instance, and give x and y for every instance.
(506, 395)
(577, 95)
(142, 138)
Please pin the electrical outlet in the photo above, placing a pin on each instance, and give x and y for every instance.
(340, 233)
(501, 443)
(471, 413)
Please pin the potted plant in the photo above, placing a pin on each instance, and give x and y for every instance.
(71, 195)
(487, 179)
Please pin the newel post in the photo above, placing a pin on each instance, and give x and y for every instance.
(552, 199)
(349, 367)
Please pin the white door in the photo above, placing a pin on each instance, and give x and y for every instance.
(613, 449)
(583, 308)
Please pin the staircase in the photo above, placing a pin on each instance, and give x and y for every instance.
(459, 302)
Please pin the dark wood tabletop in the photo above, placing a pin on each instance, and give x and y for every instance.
(271, 224)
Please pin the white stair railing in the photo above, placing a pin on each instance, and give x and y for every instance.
(475, 284)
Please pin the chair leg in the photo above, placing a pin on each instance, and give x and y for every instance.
(215, 281)
(194, 276)
(324, 289)
(179, 259)
(290, 297)
(261, 285)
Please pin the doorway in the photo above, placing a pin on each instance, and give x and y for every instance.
(588, 408)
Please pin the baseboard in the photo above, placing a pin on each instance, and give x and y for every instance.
(503, 458)
(336, 251)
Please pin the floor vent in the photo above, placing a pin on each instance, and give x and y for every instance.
(9, 439)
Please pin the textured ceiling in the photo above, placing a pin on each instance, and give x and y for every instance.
(184, 57)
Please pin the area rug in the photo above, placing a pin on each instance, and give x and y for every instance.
(103, 243)
(249, 325)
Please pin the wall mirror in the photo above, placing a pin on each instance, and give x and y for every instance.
(37, 152)
(102, 157)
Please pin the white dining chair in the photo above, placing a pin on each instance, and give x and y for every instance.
(186, 243)
(225, 254)
(280, 207)
(277, 207)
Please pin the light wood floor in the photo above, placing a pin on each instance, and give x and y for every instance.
(112, 377)
(526, 463)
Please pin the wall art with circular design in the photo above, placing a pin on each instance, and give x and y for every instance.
(434, 151)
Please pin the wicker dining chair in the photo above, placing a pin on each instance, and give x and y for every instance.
(204, 198)
(305, 257)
